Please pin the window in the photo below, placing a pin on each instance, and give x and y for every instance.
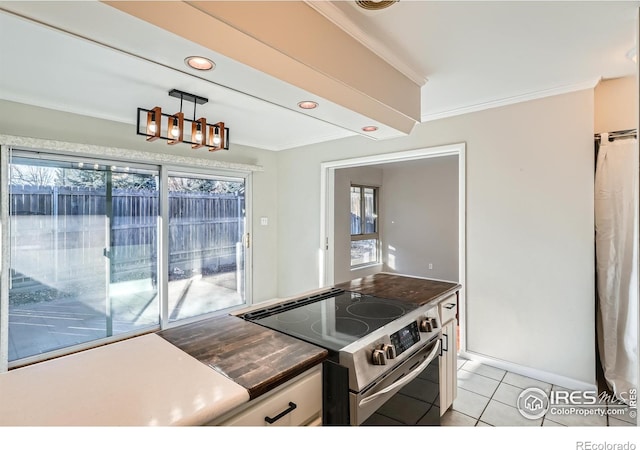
(86, 247)
(364, 226)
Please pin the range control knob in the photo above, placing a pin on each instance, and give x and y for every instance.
(389, 350)
(426, 326)
(434, 322)
(378, 357)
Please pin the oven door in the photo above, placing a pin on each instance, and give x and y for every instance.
(409, 395)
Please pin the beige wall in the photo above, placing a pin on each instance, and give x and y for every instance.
(418, 226)
(22, 120)
(420, 221)
(616, 105)
(529, 190)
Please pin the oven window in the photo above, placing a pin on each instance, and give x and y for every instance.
(364, 226)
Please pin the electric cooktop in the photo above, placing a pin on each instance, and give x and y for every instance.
(332, 319)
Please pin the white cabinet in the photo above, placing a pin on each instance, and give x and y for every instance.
(297, 402)
(448, 309)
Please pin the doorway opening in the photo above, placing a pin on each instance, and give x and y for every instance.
(331, 237)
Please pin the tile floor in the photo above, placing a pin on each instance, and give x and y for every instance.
(487, 397)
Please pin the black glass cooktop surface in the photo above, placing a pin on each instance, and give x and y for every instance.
(331, 320)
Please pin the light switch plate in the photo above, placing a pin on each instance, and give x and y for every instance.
(264, 221)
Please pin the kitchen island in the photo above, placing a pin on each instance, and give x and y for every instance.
(191, 374)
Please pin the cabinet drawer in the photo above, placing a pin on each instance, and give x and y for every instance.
(297, 403)
(448, 309)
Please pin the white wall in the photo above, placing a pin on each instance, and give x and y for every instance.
(530, 265)
(22, 120)
(419, 200)
(369, 176)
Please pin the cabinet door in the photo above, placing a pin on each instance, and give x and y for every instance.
(298, 403)
(448, 309)
(448, 367)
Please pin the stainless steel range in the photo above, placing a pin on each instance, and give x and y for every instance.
(383, 364)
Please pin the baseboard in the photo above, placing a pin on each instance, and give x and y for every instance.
(547, 377)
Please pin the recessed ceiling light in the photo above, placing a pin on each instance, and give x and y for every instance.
(369, 128)
(375, 5)
(308, 104)
(199, 63)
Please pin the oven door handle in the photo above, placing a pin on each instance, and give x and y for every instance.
(407, 378)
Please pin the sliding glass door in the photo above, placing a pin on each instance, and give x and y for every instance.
(102, 250)
(133, 210)
(207, 219)
(83, 246)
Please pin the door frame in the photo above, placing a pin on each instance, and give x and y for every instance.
(327, 213)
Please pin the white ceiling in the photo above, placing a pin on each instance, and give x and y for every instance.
(89, 58)
(479, 54)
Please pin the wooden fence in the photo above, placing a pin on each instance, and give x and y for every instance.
(59, 234)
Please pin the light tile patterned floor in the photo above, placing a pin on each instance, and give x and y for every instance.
(487, 396)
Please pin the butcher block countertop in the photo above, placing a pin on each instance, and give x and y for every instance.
(402, 287)
(255, 357)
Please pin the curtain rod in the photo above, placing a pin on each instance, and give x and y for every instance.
(632, 132)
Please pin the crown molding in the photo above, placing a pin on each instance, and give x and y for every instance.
(589, 84)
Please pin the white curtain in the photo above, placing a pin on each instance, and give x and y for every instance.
(616, 209)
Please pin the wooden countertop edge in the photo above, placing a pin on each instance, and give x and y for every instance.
(443, 295)
(266, 386)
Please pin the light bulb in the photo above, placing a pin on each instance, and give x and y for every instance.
(216, 139)
(175, 131)
(198, 133)
(153, 127)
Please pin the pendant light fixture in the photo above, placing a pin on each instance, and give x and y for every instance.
(175, 127)
(217, 136)
(212, 136)
(153, 124)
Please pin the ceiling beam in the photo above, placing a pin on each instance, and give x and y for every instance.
(294, 43)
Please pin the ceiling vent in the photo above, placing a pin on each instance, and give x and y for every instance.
(374, 5)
